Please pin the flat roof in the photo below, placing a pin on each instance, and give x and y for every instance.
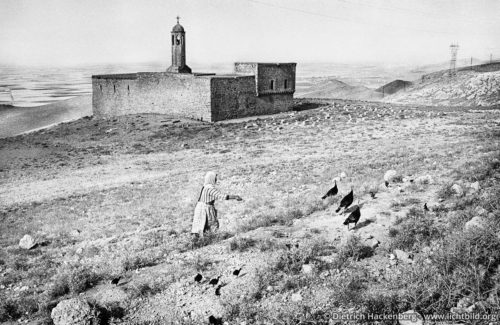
(267, 63)
(116, 76)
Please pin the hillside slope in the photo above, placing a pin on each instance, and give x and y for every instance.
(115, 197)
(467, 88)
(18, 120)
(333, 88)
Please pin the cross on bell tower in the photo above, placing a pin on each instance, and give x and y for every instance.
(178, 50)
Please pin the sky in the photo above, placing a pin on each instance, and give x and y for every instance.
(72, 32)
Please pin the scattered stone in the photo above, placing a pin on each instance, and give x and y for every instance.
(403, 256)
(391, 176)
(476, 222)
(270, 288)
(410, 317)
(307, 269)
(426, 179)
(480, 211)
(465, 302)
(426, 250)
(392, 256)
(343, 175)
(372, 243)
(336, 179)
(475, 186)
(27, 242)
(457, 189)
(75, 233)
(74, 311)
(296, 297)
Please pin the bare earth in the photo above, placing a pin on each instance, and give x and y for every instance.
(18, 120)
(116, 197)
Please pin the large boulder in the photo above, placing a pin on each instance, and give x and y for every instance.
(403, 256)
(476, 222)
(410, 317)
(27, 242)
(392, 176)
(475, 186)
(457, 190)
(75, 311)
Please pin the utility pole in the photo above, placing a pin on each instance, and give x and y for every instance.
(453, 61)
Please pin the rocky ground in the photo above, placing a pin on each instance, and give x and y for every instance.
(467, 88)
(103, 199)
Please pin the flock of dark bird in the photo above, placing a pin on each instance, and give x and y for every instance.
(215, 282)
(345, 203)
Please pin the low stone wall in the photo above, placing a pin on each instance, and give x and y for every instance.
(233, 97)
(164, 93)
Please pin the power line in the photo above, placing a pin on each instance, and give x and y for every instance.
(426, 14)
(392, 27)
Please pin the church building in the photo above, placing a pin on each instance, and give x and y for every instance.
(252, 89)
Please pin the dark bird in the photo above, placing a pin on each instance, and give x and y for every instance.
(386, 184)
(331, 192)
(214, 281)
(198, 277)
(425, 207)
(217, 290)
(346, 201)
(353, 218)
(352, 208)
(237, 271)
(116, 280)
(372, 194)
(214, 320)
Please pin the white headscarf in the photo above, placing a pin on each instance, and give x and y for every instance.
(210, 178)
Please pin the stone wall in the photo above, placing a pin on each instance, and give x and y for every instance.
(271, 78)
(233, 97)
(274, 103)
(165, 93)
(266, 72)
(205, 97)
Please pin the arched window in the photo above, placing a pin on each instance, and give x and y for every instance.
(286, 83)
(173, 39)
(272, 84)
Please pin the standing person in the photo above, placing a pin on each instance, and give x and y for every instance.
(205, 214)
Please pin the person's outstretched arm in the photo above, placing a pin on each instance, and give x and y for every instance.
(234, 197)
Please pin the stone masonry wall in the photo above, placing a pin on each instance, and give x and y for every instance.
(233, 97)
(164, 93)
(277, 73)
(274, 103)
(203, 97)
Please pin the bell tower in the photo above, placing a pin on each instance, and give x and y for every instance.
(178, 40)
